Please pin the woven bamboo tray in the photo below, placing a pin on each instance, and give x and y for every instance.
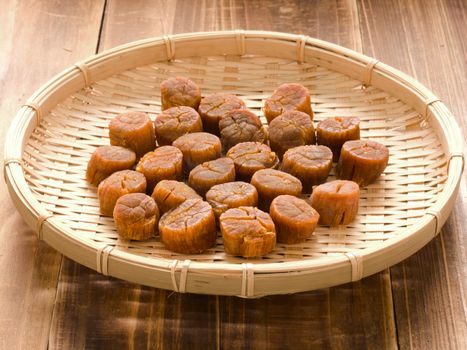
(54, 133)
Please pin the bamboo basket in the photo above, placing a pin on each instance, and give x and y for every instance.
(53, 134)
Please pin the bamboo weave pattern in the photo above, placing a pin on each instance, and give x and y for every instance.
(57, 152)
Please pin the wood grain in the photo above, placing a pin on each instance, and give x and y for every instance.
(335, 21)
(351, 316)
(97, 312)
(430, 286)
(127, 21)
(38, 39)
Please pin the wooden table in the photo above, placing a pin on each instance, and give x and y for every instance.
(47, 300)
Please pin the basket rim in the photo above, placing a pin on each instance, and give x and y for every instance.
(52, 229)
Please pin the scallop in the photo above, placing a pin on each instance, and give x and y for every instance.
(231, 195)
(211, 173)
(164, 163)
(271, 183)
(336, 202)
(197, 148)
(106, 160)
(310, 164)
(175, 122)
(133, 130)
(179, 91)
(247, 232)
(289, 130)
(241, 125)
(190, 228)
(362, 161)
(287, 97)
(294, 218)
(250, 157)
(215, 107)
(335, 131)
(136, 216)
(169, 194)
(116, 185)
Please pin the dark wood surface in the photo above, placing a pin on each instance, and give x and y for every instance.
(48, 301)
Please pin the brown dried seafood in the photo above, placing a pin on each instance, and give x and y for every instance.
(190, 228)
(164, 163)
(287, 97)
(336, 202)
(362, 161)
(106, 160)
(232, 195)
(197, 148)
(310, 164)
(289, 130)
(133, 130)
(247, 232)
(241, 125)
(271, 183)
(169, 194)
(294, 218)
(214, 107)
(116, 185)
(179, 91)
(175, 122)
(136, 216)
(211, 173)
(335, 131)
(250, 157)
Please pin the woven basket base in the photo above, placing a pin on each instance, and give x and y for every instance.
(57, 152)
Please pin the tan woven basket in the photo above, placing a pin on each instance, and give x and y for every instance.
(54, 133)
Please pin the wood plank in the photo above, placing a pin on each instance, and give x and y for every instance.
(336, 22)
(127, 21)
(328, 20)
(351, 316)
(38, 39)
(426, 40)
(93, 311)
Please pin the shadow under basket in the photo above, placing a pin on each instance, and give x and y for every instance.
(53, 135)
